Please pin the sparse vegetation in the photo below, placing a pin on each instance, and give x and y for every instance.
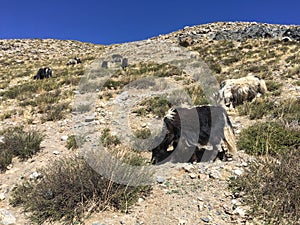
(74, 141)
(143, 133)
(257, 108)
(269, 138)
(158, 106)
(271, 188)
(197, 95)
(18, 142)
(69, 190)
(107, 139)
(274, 87)
(56, 112)
(261, 57)
(285, 110)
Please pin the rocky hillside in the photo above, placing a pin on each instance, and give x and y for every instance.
(182, 193)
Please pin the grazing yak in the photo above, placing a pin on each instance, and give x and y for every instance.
(234, 92)
(191, 130)
(115, 62)
(74, 61)
(43, 73)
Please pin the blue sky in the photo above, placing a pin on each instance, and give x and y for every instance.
(117, 21)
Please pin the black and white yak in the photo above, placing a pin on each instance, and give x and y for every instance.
(74, 61)
(234, 92)
(191, 131)
(43, 73)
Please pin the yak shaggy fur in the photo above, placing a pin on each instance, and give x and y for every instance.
(234, 92)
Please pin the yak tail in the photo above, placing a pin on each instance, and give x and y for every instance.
(229, 137)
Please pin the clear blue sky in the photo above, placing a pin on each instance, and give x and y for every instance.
(117, 21)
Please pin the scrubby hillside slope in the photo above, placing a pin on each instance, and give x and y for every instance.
(187, 194)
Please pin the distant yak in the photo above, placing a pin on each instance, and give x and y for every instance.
(115, 61)
(234, 92)
(74, 61)
(190, 131)
(43, 73)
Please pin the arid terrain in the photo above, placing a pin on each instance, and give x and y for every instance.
(182, 193)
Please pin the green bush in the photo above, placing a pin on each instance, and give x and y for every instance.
(55, 112)
(271, 189)
(274, 87)
(256, 109)
(157, 105)
(69, 190)
(22, 143)
(197, 95)
(215, 67)
(6, 157)
(143, 133)
(268, 138)
(287, 110)
(73, 141)
(17, 142)
(107, 139)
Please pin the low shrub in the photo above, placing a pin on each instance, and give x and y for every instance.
(6, 157)
(55, 112)
(18, 142)
(268, 138)
(157, 105)
(287, 110)
(256, 109)
(143, 133)
(22, 143)
(74, 141)
(274, 87)
(271, 188)
(197, 95)
(107, 139)
(69, 190)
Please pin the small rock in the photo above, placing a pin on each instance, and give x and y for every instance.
(56, 152)
(188, 168)
(200, 199)
(193, 175)
(140, 200)
(143, 125)
(9, 167)
(234, 201)
(239, 211)
(182, 222)
(2, 196)
(203, 177)
(97, 223)
(160, 179)
(218, 212)
(238, 172)
(6, 218)
(89, 119)
(244, 164)
(205, 219)
(227, 210)
(215, 174)
(64, 138)
(35, 175)
(194, 54)
(19, 61)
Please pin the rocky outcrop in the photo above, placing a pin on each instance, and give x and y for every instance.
(237, 31)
